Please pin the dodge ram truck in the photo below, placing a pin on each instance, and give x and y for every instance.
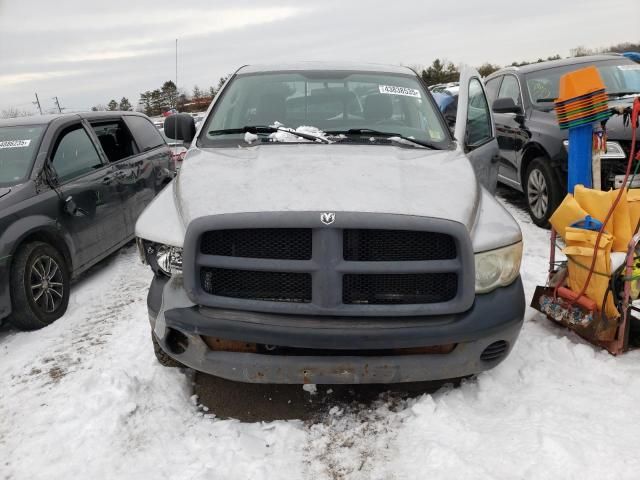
(327, 226)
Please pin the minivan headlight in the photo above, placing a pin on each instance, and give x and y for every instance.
(497, 268)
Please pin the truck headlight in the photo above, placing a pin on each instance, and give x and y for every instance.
(163, 259)
(497, 268)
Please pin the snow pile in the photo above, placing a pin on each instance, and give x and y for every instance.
(250, 137)
(84, 398)
(290, 136)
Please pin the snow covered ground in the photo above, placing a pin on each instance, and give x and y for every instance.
(84, 398)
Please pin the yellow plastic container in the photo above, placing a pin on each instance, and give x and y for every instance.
(597, 204)
(580, 249)
(567, 213)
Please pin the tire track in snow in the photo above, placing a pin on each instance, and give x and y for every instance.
(351, 440)
(92, 324)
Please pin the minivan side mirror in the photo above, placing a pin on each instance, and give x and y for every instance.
(506, 105)
(180, 126)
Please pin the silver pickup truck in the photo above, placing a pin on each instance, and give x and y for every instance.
(328, 227)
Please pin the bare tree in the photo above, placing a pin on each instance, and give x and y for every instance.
(13, 112)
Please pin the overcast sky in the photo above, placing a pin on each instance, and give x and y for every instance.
(88, 52)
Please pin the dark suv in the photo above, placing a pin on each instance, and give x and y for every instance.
(533, 149)
(71, 189)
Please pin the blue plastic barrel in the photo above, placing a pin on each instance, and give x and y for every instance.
(580, 142)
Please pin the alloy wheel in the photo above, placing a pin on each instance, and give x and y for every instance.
(46, 283)
(537, 193)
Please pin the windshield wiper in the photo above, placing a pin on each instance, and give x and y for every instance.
(257, 129)
(387, 135)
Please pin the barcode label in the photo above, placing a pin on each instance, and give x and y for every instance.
(15, 143)
(391, 90)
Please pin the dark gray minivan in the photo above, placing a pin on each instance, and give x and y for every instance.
(71, 189)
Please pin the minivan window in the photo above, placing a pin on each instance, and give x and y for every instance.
(75, 155)
(146, 134)
(331, 101)
(620, 76)
(18, 148)
(115, 140)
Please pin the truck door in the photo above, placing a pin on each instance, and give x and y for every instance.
(475, 129)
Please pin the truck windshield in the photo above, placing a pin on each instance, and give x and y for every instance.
(621, 77)
(341, 105)
(18, 147)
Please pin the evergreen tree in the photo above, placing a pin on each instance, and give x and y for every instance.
(125, 106)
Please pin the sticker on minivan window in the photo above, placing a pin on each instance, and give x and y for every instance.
(407, 92)
(15, 143)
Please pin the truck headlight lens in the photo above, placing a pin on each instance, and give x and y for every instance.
(163, 259)
(497, 268)
(169, 259)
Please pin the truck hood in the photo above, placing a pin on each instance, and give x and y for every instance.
(313, 177)
(4, 191)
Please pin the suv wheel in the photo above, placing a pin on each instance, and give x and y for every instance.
(40, 282)
(542, 191)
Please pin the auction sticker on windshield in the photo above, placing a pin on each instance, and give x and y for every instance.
(407, 92)
(14, 143)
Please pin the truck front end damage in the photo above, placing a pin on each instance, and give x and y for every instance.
(335, 297)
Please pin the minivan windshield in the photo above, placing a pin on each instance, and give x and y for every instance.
(342, 105)
(620, 75)
(18, 147)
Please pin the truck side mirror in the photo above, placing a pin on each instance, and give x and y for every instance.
(180, 126)
(506, 105)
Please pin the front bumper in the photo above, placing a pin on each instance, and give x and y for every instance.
(494, 317)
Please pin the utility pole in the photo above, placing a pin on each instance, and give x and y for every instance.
(58, 104)
(37, 102)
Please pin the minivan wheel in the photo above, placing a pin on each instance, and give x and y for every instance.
(40, 282)
(542, 191)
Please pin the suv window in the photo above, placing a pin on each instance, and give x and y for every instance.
(478, 116)
(75, 155)
(115, 139)
(491, 86)
(145, 133)
(510, 89)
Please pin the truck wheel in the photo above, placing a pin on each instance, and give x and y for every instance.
(542, 191)
(163, 358)
(40, 282)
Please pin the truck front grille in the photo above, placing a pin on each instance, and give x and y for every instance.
(362, 264)
(255, 285)
(370, 245)
(274, 243)
(399, 289)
